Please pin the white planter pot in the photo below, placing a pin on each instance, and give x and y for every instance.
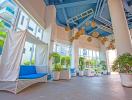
(105, 72)
(65, 74)
(56, 75)
(126, 79)
(81, 73)
(89, 73)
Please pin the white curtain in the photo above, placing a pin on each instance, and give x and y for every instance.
(11, 56)
(41, 58)
(41, 55)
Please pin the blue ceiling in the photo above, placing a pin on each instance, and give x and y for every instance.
(76, 13)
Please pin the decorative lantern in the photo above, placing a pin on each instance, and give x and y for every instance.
(95, 34)
(67, 28)
(89, 39)
(102, 42)
(72, 38)
(82, 31)
(111, 46)
(99, 38)
(113, 40)
(77, 36)
(103, 39)
(87, 23)
(93, 24)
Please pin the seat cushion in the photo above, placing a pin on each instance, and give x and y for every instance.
(27, 70)
(72, 70)
(33, 76)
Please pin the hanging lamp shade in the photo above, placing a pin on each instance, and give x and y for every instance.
(67, 28)
(95, 34)
(111, 46)
(93, 24)
(102, 42)
(71, 39)
(113, 40)
(103, 39)
(82, 31)
(99, 38)
(87, 24)
(89, 39)
(77, 36)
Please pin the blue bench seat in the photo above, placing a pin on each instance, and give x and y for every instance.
(32, 76)
(29, 72)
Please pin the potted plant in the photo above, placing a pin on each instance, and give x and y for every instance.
(90, 70)
(81, 66)
(123, 65)
(66, 62)
(56, 65)
(103, 65)
(56, 71)
(97, 71)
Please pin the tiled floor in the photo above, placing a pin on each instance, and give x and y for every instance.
(79, 88)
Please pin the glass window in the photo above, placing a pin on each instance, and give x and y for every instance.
(90, 54)
(33, 55)
(94, 54)
(62, 49)
(84, 52)
(97, 54)
(39, 33)
(32, 27)
(3, 35)
(23, 21)
(8, 11)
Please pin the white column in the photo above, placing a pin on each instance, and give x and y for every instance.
(102, 52)
(131, 33)
(50, 21)
(75, 58)
(120, 26)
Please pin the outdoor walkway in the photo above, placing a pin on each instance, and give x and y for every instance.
(79, 88)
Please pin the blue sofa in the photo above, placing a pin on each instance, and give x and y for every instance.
(29, 72)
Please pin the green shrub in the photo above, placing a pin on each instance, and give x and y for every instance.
(97, 70)
(81, 63)
(93, 62)
(56, 57)
(123, 63)
(103, 65)
(57, 67)
(29, 63)
(68, 61)
(63, 60)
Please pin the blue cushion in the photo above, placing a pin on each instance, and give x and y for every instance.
(32, 76)
(27, 70)
(72, 70)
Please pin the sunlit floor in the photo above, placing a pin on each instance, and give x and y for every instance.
(78, 88)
